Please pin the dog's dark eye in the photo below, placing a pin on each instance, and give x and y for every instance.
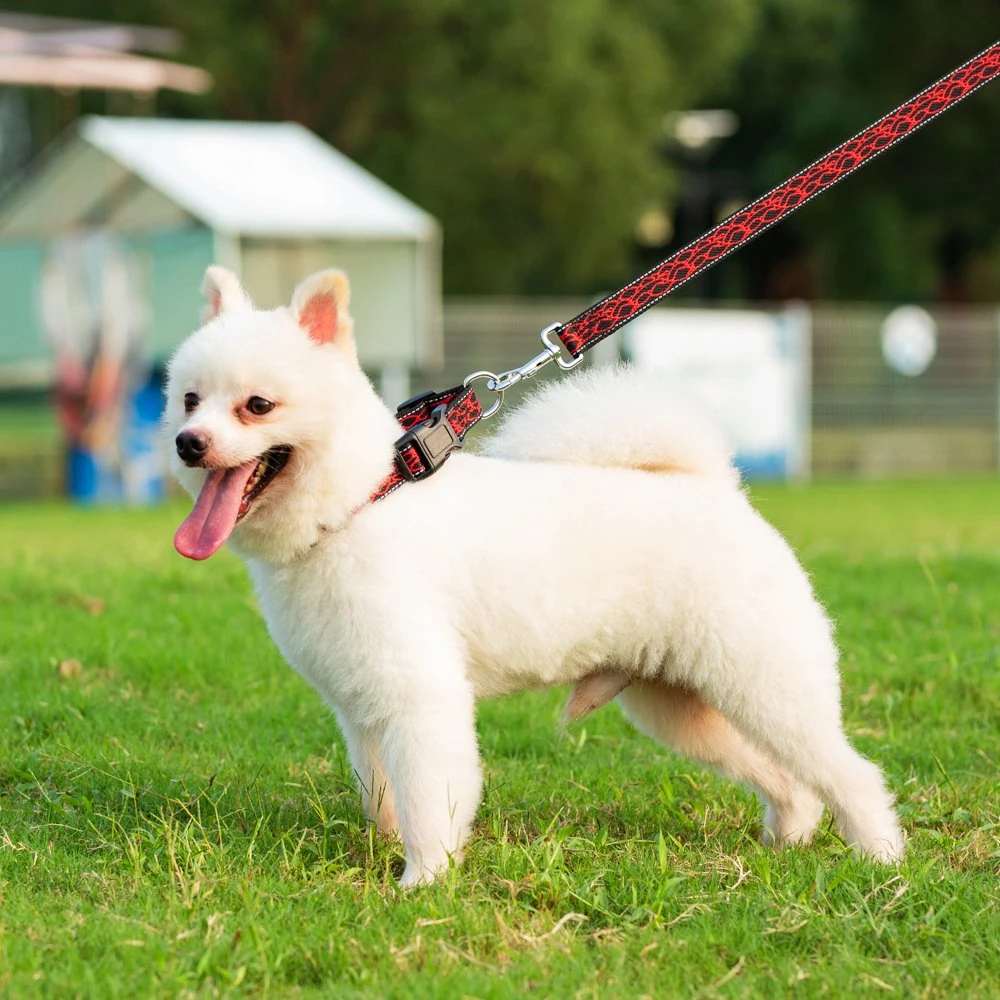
(190, 401)
(258, 406)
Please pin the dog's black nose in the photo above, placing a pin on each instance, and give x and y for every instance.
(191, 446)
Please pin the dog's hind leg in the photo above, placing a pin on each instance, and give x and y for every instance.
(681, 719)
(801, 728)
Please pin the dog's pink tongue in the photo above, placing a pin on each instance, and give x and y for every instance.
(207, 527)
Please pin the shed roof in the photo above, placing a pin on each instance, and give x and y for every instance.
(239, 178)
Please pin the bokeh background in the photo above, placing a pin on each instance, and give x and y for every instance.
(559, 148)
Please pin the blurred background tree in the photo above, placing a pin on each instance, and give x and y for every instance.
(537, 130)
(922, 222)
(530, 129)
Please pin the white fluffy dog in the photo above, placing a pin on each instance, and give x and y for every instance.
(602, 542)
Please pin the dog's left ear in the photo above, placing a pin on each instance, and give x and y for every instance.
(320, 306)
(223, 293)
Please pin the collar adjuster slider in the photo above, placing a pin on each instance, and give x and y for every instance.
(433, 441)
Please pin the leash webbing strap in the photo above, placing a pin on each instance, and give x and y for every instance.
(435, 423)
(606, 316)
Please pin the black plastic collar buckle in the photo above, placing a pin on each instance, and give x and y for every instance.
(420, 399)
(433, 441)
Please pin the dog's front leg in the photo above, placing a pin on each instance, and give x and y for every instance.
(377, 798)
(432, 760)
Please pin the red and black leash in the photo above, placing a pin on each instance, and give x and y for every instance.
(435, 424)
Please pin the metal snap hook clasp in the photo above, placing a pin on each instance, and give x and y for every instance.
(502, 382)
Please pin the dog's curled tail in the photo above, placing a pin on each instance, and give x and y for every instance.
(615, 416)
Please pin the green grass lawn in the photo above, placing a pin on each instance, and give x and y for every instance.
(177, 816)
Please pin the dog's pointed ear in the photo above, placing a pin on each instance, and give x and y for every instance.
(320, 306)
(223, 293)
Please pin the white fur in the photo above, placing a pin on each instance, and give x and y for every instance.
(222, 292)
(608, 416)
(552, 559)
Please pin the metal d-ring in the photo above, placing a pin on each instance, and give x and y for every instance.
(493, 384)
(502, 382)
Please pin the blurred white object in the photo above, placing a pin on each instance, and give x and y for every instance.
(749, 369)
(695, 130)
(909, 340)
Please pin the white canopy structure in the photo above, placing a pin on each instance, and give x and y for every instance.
(69, 54)
(271, 201)
(261, 180)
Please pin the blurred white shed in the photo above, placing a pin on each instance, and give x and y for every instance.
(271, 201)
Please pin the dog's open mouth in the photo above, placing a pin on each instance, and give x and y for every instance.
(225, 498)
(268, 466)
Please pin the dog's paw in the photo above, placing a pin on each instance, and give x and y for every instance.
(426, 871)
(414, 875)
(886, 850)
(793, 823)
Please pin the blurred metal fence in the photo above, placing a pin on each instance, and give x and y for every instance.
(867, 418)
(871, 420)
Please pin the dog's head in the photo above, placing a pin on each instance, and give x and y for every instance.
(272, 424)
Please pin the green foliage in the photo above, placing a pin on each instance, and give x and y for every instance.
(530, 129)
(818, 71)
(178, 817)
(534, 130)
